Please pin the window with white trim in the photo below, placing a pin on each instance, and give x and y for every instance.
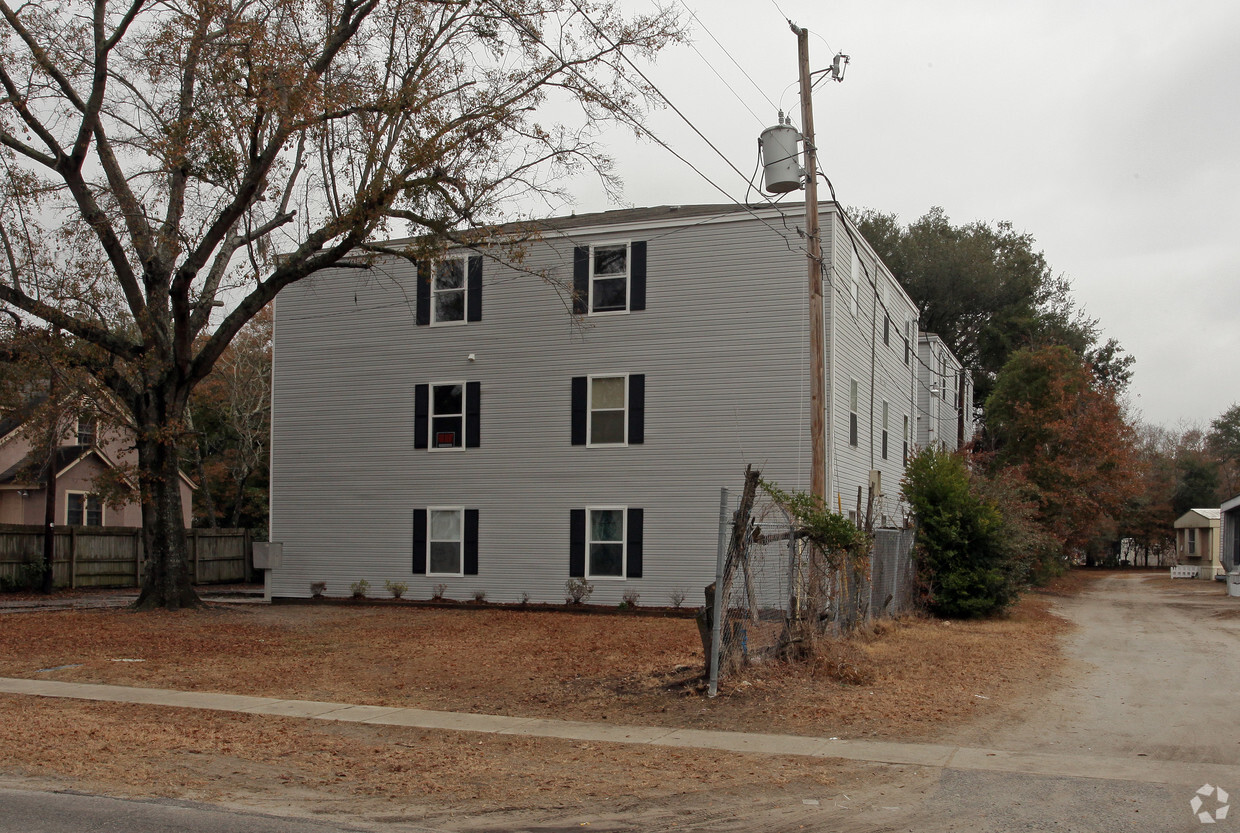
(855, 283)
(608, 397)
(906, 439)
(449, 291)
(445, 540)
(605, 542)
(82, 509)
(87, 430)
(609, 278)
(448, 415)
(884, 429)
(1192, 541)
(852, 412)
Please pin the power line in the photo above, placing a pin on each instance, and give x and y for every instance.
(624, 57)
(726, 84)
(730, 57)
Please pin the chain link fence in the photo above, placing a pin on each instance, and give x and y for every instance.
(769, 591)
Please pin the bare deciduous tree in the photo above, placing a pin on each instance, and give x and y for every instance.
(163, 156)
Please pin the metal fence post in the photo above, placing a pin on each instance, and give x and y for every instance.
(716, 625)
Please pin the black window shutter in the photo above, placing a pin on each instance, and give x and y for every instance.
(906, 349)
(637, 408)
(474, 289)
(421, 415)
(579, 410)
(473, 411)
(852, 429)
(577, 543)
(633, 562)
(424, 293)
(581, 279)
(471, 542)
(419, 542)
(884, 445)
(886, 330)
(637, 275)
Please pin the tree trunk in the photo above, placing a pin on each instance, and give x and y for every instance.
(166, 582)
(239, 500)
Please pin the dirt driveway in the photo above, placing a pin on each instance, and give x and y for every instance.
(1153, 670)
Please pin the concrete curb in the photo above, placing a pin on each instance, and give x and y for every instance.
(1138, 769)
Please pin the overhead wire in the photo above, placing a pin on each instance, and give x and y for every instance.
(726, 84)
(725, 51)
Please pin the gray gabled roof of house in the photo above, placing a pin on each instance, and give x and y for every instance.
(1197, 518)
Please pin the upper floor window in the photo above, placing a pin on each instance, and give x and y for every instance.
(855, 284)
(446, 415)
(852, 412)
(885, 411)
(609, 278)
(87, 430)
(609, 410)
(450, 291)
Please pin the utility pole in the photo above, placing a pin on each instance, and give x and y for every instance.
(817, 368)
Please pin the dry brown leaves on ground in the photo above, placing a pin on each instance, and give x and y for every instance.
(916, 673)
(912, 677)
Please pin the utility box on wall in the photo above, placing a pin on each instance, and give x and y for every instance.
(268, 555)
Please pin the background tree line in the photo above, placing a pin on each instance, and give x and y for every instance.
(1061, 469)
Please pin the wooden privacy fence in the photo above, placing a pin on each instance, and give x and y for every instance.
(112, 556)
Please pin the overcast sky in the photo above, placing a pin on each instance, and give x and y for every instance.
(1110, 131)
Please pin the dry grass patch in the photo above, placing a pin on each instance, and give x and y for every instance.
(903, 678)
(267, 761)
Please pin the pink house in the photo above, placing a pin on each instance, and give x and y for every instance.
(86, 453)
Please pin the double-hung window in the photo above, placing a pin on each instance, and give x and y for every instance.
(82, 509)
(906, 439)
(609, 278)
(609, 410)
(446, 415)
(445, 541)
(87, 430)
(852, 412)
(606, 542)
(884, 429)
(448, 292)
(1192, 541)
(855, 284)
